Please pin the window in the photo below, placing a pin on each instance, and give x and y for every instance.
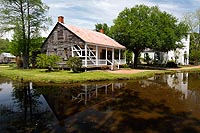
(60, 35)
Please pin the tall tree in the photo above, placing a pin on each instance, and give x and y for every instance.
(193, 21)
(26, 18)
(194, 48)
(143, 27)
(103, 26)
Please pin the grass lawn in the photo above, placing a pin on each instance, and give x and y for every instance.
(39, 75)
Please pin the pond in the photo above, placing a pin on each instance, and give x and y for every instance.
(164, 103)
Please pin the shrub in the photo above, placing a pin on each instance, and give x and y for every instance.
(171, 64)
(74, 63)
(44, 60)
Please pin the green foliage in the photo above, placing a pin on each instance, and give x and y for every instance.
(75, 63)
(26, 18)
(143, 27)
(4, 45)
(103, 26)
(194, 49)
(192, 19)
(195, 56)
(44, 60)
(54, 60)
(17, 43)
(36, 43)
(129, 56)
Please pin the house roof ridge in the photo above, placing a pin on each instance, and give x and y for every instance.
(91, 36)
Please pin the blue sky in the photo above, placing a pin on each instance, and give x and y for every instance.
(86, 13)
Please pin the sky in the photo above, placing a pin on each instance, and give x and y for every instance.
(87, 13)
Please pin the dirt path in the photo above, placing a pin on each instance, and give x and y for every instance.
(131, 71)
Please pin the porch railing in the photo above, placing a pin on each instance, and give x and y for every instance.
(92, 62)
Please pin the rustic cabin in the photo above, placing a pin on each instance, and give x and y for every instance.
(94, 48)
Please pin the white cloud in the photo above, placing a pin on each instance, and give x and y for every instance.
(86, 13)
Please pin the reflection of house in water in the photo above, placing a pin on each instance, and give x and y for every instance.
(179, 81)
(182, 82)
(187, 84)
(73, 99)
(90, 91)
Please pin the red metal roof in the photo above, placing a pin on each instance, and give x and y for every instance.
(93, 37)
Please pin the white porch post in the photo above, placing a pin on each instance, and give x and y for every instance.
(72, 51)
(125, 56)
(119, 58)
(106, 55)
(85, 54)
(113, 58)
(97, 53)
(113, 54)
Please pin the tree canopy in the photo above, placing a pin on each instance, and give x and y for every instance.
(4, 45)
(193, 21)
(26, 18)
(194, 49)
(144, 27)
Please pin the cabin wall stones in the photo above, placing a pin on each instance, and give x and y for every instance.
(59, 42)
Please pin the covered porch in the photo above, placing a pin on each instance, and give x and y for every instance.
(93, 55)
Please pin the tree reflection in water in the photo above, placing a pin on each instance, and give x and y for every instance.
(164, 103)
(25, 114)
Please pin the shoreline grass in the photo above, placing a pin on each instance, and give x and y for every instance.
(40, 76)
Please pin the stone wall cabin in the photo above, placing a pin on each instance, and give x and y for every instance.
(94, 48)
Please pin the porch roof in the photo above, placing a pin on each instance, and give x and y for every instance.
(93, 37)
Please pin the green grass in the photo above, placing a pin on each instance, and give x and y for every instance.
(39, 75)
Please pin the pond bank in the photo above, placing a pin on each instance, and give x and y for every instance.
(39, 75)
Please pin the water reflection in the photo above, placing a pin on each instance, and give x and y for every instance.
(22, 109)
(167, 103)
(177, 81)
(187, 84)
(90, 91)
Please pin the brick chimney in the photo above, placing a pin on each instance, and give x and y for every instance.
(61, 19)
(101, 31)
